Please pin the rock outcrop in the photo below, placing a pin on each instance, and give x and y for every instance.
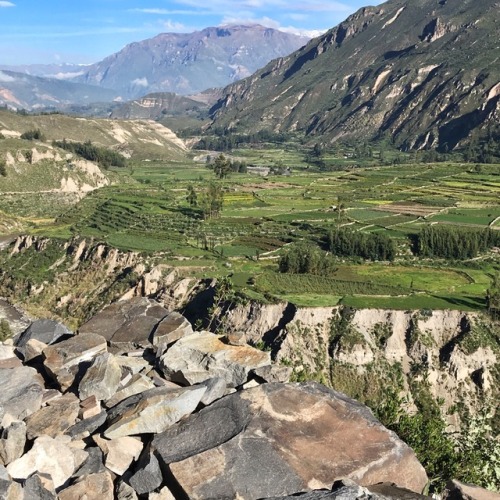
(127, 419)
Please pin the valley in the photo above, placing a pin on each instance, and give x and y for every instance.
(324, 212)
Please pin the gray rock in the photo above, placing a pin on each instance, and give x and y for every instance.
(127, 324)
(89, 407)
(346, 489)
(93, 464)
(101, 379)
(216, 389)
(155, 411)
(203, 355)
(98, 486)
(274, 373)
(34, 487)
(87, 427)
(12, 442)
(8, 357)
(9, 490)
(63, 359)
(148, 475)
(46, 331)
(296, 435)
(138, 383)
(53, 419)
(125, 492)
(207, 429)
(21, 393)
(172, 328)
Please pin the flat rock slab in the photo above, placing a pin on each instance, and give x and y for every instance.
(294, 437)
(63, 359)
(48, 456)
(55, 418)
(200, 356)
(47, 331)
(153, 411)
(98, 486)
(120, 453)
(172, 328)
(20, 394)
(127, 324)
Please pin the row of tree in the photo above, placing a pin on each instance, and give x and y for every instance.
(306, 259)
(209, 200)
(345, 242)
(455, 242)
(103, 156)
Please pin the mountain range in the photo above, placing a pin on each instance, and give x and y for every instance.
(425, 73)
(170, 62)
(190, 63)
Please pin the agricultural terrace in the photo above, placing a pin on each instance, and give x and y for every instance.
(261, 217)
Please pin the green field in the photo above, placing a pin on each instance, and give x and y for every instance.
(145, 210)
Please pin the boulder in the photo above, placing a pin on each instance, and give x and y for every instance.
(9, 490)
(8, 358)
(55, 418)
(39, 487)
(153, 411)
(171, 328)
(203, 355)
(286, 439)
(125, 492)
(119, 453)
(98, 486)
(21, 393)
(127, 324)
(274, 373)
(33, 350)
(346, 489)
(163, 494)
(89, 407)
(87, 427)
(148, 475)
(101, 379)
(47, 331)
(216, 389)
(63, 359)
(94, 463)
(12, 442)
(137, 384)
(48, 456)
(456, 490)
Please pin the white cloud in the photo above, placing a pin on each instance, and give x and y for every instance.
(7, 4)
(170, 25)
(140, 82)
(4, 77)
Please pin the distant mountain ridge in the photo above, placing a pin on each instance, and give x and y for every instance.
(425, 73)
(23, 91)
(190, 63)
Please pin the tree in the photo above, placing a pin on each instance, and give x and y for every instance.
(222, 166)
(493, 297)
(212, 200)
(3, 169)
(192, 197)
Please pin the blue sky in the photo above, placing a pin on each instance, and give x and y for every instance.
(75, 31)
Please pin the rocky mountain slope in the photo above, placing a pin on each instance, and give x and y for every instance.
(23, 91)
(189, 63)
(136, 403)
(424, 73)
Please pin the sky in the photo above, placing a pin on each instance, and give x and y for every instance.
(83, 32)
